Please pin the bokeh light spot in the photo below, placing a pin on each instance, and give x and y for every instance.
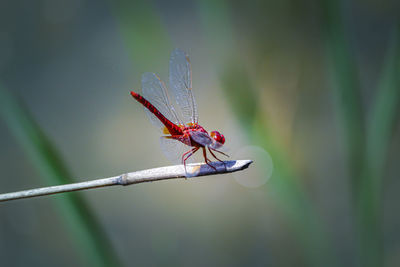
(259, 172)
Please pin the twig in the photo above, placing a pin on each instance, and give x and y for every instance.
(150, 175)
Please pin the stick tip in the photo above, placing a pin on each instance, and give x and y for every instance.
(240, 164)
(217, 167)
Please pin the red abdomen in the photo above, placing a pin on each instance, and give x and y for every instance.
(172, 127)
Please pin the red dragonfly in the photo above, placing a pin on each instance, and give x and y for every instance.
(179, 131)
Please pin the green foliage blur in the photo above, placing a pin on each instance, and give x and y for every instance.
(313, 85)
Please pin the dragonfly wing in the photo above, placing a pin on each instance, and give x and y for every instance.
(180, 82)
(174, 149)
(154, 91)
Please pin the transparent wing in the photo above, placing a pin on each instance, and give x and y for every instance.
(174, 149)
(154, 91)
(180, 82)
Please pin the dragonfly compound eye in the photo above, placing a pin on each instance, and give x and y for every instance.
(218, 137)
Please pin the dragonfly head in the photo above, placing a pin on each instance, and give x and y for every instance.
(217, 136)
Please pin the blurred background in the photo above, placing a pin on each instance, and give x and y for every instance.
(308, 89)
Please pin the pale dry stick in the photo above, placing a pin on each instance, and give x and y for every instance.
(150, 175)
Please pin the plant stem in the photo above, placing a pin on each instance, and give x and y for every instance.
(150, 175)
(348, 99)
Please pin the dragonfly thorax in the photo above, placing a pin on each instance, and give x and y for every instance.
(193, 127)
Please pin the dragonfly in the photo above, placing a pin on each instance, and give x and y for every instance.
(182, 135)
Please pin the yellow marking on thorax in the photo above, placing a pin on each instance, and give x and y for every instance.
(165, 130)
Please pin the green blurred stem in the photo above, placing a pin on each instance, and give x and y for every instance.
(241, 94)
(383, 118)
(285, 188)
(144, 34)
(91, 240)
(294, 202)
(348, 104)
(384, 113)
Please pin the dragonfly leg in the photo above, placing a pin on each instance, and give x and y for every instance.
(218, 152)
(207, 160)
(210, 149)
(184, 154)
(187, 155)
